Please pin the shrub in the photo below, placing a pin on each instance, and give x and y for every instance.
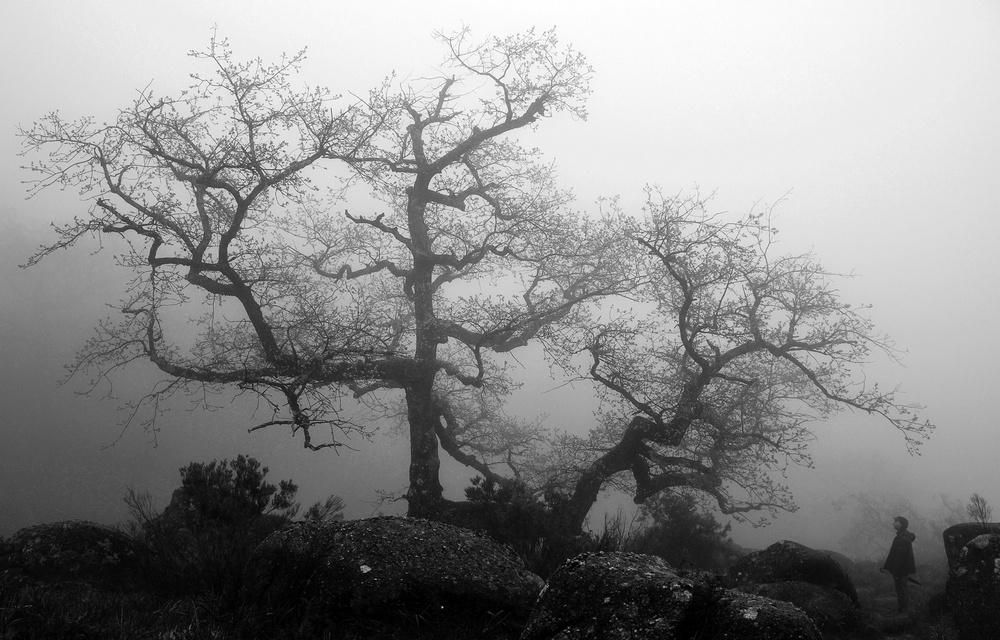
(214, 521)
(980, 511)
(673, 527)
(507, 511)
(235, 492)
(329, 511)
(533, 526)
(670, 526)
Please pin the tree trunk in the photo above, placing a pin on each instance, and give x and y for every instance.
(425, 495)
(585, 494)
(630, 455)
(626, 455)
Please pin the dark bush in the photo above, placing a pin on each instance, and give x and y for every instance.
(673, 527)
(330, 510)
(507, 511)
(533, 526)
(214, 521)
(234, 493)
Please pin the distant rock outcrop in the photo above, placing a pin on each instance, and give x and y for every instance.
(959, 535)
(815, 581)
(628, 595)
(71, 550)
(366, 567)
(790, 561)
(974, 588)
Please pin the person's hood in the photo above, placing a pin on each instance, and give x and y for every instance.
(905, 534)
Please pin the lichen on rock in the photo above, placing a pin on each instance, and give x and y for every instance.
(364, 567)
(71, 550)
(974, 588)
(626, 595)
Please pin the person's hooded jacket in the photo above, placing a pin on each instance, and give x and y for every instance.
(900, 561)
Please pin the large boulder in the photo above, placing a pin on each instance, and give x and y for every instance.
(830, 609)
(959, 535)
(368, 567)
(790, 561)
(626, 595)
(603, 595)
(845, 562)
(974, 588)
(749, 617)
(71, 550)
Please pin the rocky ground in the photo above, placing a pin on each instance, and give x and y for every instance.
(70, 580)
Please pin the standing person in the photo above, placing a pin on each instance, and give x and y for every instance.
(900, 562)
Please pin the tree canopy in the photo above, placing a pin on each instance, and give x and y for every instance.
(740, 347)
(709, 351)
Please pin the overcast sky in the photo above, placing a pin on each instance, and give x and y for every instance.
(879, 124)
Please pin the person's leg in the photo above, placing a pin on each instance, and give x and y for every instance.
(902, 597)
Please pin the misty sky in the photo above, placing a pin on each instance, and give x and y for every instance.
(878, 124)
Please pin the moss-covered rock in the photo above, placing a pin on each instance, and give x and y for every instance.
(974, 589)
(957, 536)
(598, 596)
(71, 550)
(790, 561)
(829, 608)
(370, 567)
(608, 595)
(743, 616)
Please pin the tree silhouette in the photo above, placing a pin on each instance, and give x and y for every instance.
(474, 253)
(712, 384)
(710, 351)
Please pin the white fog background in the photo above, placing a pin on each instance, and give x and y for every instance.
(877, 122)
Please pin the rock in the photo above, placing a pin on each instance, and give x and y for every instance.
(748, 617)
(937, 605)
(790, 561)
(601, 595)
(841, 559)
(71, 550)
(628, 595)
(957, 536)
(367, 567)
(830, 609)
(974, 588)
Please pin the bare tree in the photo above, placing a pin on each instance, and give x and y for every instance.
(711, 353)
(713, 385)
(980, 511)
(474, 252)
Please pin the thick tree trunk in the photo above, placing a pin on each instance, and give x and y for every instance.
(630, 454)
(626, 455)
(425, 495)
(585, 494)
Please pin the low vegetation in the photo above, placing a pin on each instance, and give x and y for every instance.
(194, 551)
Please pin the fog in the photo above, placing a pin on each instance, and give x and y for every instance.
(874, 124)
